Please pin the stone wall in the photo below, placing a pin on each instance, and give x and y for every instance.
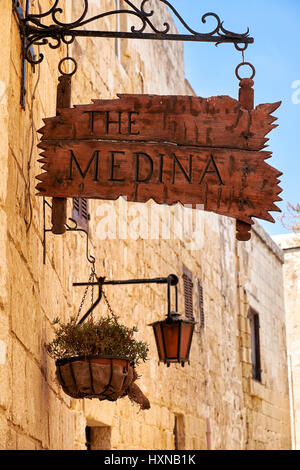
(290, 244)
(214, 401)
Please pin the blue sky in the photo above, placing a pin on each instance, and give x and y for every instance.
(275, 26)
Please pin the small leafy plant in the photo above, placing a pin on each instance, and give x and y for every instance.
(103, 337)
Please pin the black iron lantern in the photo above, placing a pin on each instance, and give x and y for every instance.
(173, 335)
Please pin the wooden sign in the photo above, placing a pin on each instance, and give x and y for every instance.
(170, 149)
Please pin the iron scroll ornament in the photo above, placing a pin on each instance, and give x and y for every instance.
(37, 33)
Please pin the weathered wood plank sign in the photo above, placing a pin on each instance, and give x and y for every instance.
(166, 148)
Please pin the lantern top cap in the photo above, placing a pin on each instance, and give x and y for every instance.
(174, 317)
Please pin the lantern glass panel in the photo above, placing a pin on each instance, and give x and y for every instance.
(171, 337)
(159, 341)
(186, 333)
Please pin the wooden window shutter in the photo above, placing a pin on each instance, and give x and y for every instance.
(80, 212)
(188, 293)
(201, 307)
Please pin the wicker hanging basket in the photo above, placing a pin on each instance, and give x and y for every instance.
(105, 378)
(96, 376)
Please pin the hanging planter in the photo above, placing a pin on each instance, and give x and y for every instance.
(98, 358)
(106, 378)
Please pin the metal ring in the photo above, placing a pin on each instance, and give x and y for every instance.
(62, 61)
(240, 65)
(68, 41)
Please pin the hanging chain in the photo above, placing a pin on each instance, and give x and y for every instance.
(109, 306)
(92, 278)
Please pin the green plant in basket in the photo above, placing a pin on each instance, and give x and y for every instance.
(97, 359)
(101, 337)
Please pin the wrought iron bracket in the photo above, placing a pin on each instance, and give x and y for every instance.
(89, 257)
(48, 27)
(27, 49)
(171, 280)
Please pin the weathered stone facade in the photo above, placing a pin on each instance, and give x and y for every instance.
(214, 401)
(290, 244)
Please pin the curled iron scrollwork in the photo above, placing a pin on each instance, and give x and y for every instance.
(38, 32)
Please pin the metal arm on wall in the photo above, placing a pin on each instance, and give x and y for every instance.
(35, 29)
(171, 280)
(89, 257)
(173, 336)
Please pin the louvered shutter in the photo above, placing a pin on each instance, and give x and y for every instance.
(188, 293)
(201, 307)
(80, 212)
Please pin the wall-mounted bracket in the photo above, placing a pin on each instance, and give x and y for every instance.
(49, 28)
(171, 280)
(173, 336)
(89, 257)
(26, 48)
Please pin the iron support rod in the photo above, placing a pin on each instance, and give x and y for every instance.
(169, 296)
(173, 279)
(36, 30)
(55, 32)
(27, 8)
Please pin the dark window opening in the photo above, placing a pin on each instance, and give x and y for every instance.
(188, 293)
(176, 443)
(80, 212)
(255, 345)
(179, 433)
(98, 437)
(88, 437)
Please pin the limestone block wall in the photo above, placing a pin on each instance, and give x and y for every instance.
(213, 402)
(267, 401)
(290, 244)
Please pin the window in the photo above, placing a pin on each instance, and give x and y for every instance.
(179, 433)
(80, 212)
(98, 437)
(255, 345)
(188, 293)
(88, 437)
